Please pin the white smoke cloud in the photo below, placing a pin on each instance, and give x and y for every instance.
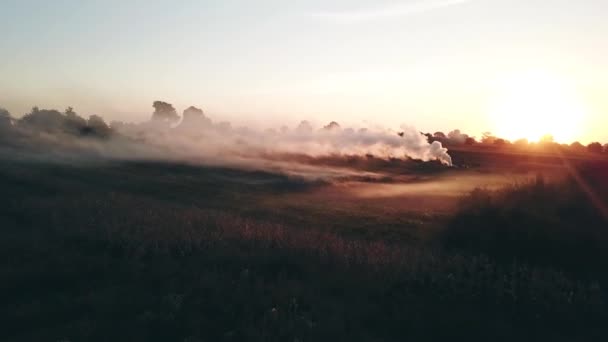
(197, 139)
(220, 141)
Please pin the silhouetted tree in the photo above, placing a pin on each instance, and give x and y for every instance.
(97, 126)
(74, 124)
(487, 138)
(577, 147)
(332, 126)
(439, 135)
(6, 126)
(193, 113)
(500, 142)
(5, 119)
(48, 120)
(429, 137)
(456, 137)
(194, 118)
(470, 141)
(304, 127)
(595, 147)
(164, 112)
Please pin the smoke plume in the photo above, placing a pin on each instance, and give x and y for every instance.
(200, 140)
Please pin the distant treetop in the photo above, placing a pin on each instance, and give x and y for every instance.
(164, 112)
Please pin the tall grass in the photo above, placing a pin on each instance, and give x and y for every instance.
(80, 263)
(128, 268)
(549, 224)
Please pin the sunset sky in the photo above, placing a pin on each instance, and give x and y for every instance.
(476, 65)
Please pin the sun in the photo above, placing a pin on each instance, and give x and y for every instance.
(533, 104)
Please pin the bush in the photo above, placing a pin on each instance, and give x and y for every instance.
(550, 224)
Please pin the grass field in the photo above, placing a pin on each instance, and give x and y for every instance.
(303, 171)
(163, 251)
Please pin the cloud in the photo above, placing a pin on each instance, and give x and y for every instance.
(390, 11)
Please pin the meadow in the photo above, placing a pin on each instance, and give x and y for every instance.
(164, 251)
(303, 171)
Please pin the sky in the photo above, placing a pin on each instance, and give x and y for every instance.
(437, 65)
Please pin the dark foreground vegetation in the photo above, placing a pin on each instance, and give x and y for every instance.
(157, 252)
(562, 224)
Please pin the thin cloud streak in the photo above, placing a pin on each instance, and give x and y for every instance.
(396, 10)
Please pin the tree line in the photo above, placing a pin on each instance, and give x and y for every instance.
(456, 137)
(165, 115)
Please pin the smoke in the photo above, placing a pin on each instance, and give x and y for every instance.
(221, 141)
(329, 150)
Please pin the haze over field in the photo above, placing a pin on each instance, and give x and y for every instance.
(320, 170)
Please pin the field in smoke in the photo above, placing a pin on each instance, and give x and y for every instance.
(156, 232)
(337, 248)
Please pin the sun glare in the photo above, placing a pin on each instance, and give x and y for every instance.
(534, 104)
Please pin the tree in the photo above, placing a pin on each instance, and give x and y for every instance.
(439, 135)
(456, 137)
(48, 120)
(487, 138)
(74, 124)
(332, 126)
(5, 119)
(304, 127)
(595, 147)
(429, 136)
(577, 147)
(192, 113)
(164, 112)
(500, 142)
(98, 127)
(6, 125)
(195, 118)
(470, 141)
